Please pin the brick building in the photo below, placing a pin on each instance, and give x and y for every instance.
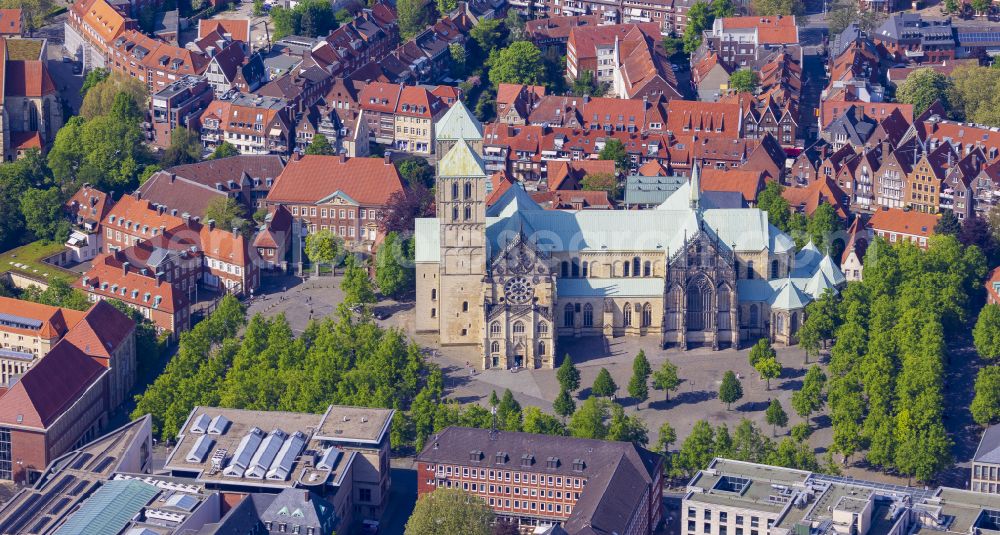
(152, 61)
(28, 331)
(178, 105)
(252, 124)
(586, 486)
(896, 225)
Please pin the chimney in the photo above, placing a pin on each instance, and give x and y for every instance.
(211, 224)
(172, 177)
(343, 158)
(158, 277)
(125, 266)
(186, 217)
(388, 158)
(236, 231)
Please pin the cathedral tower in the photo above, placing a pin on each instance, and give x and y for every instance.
(461, 211)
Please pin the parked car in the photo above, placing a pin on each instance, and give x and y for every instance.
(77, 68)
(382, 314)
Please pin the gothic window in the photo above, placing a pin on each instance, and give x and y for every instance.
(723, 300)
(454, 191)
(468, 213)
(699, 306)
(625, 266)
(495, 347)
(627, 315)
(575, 268)
(569, 316)
(750, 269)
(794, 324)
(518, 327)
(781, 323)
(468, 190)
(647, 315)
(753, 315)
(495, 327)
(635, 266)
(585, 270)
(454, 214)
(541, 348)
(647, 269)
(588, 315)
(564, 268)
(774, 269)
(543, 328)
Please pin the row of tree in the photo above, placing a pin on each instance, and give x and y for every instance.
(887, 365)
(969, 94)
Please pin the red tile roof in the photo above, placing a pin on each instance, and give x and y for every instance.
(747, 182)
(55, 321)
(89, 203)
(380, 96)
(418, 102)
(25, 140)
(903, 222)
(49, 388)
(569, 175)
(106, 21)
(101, 331)
(28, 79)
(818, 191)
(10, 21)
(770, 30)
(585, 39)
(239, 29)
(369, 181)
(653, 168)
(501, 183)
(225, 245)
(573, 200)
(706, 118)
(106, 272)
(141, 213)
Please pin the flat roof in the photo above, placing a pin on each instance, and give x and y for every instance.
(354, 424)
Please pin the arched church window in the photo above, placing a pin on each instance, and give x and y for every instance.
(749, 269)
(627, 315)
(586, 273)
(626, 268)
(647, 269)
(541, 349)
(495, 328)
(723, 300)
(635, 266)
(588, 315)
(543, 328)
(753, 315)
(468, 213)
(647, 315)
(495, 347)
(576, 268)
(569, 315)
(454, 191)
(781, 323)
(468, 190)
(774, 269)
(518, 327)
(794, 323)
(454, 214)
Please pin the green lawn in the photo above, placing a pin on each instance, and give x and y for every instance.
(31, 255)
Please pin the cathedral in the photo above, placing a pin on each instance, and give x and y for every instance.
(511, 279)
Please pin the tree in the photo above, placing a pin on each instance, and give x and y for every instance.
(459, 58)
(42, 210)
(94, 77)
(800, 431)
(948, 224)
(323, 247)
(357, 286)
(922, 87)
(450, 511)
(101, 95)
(768, 368)
(394, 265)
(568, 375)
(343, 16)
(981, 6)
(320, 145)
(772, 8)
(771, 201)
(488, 35)
(640, 365)
(515, 24)
(519, 63)
(226, 212)
(604, 385)
(602, 182)
(504, 527)
(258, 8)
(744, 81)
(776, 416)
(986, 405)
(809, 398)
(587, 84)
(762, 350)
(224, 150)
(416, 170)
(638, 389)
(494, 399)
(666, 379)
(445, 7)
(700, 18)
(58, 294)
(107, 151)
(697, 450)
(986, 333)
(588, 420)
(404, 206)
(536, 421)
(951, 6)
(973, 93)
(564, 405)
(730, 390)
(665, 438)
(626, 428)
(614, 150)
(185, 147)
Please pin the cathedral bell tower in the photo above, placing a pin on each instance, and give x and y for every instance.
(461, 211)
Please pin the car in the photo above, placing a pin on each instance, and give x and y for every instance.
(67, 59)
(77, 68)
(382, 314)
(674, 67)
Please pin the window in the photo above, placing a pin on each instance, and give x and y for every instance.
(585, 265)
(635, 266)
(495, 327)
(647, 269)
(627, 313)
(454, 191)
(774, 269)
(750, 269)
(647, 315)
(518, 327)
(365, 495)
(434, 294)
(541, 349)
(626, 266)
(588, 315)
(468, 190)
(465, 306)
(569, 315)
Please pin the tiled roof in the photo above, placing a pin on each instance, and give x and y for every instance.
(903, 222)
(569, 175)
(54, 383)
(28, 79)
(55, 321)
(225, 245)
(380, 96)
(10, 21)
(776, 30)
(25, 140)
(706, 118)
(177, 193)
(101, 331)
(89, 203)
(418, 102)
(239, 29)
(106, 21)
(569, 200)
(746, 182)
(818, 191)
(160, 55)
(369, 181)
(585, 39)
(558, 27)
(115, 277)
(141, 214)
(857, 240)
(653, 168)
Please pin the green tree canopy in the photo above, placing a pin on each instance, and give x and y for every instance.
(357, 286)
(589, 419)
(922, 87)
(43, 214)
(697, 450)
(768, 368)
(626, 428)
(666, 379)
(986, 405)
(450, 511)
(564, 405)
(744, 81)
(320, 145)
(776, 416)
(519, 63)
(227, 213)
(185, 147)
(488, 35)
(771, 201)
(665, 438)
(101, 94)
(809, 398)
(324, 247)
(730, 390)
(536, 421)
(568, 375)
(604, 385)
(762, 350)
(394, 265)
(614, 150)
(224, 150)
(772, 8)
(602, 182)
(986, 333)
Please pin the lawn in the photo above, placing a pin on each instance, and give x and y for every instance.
(29, 257)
